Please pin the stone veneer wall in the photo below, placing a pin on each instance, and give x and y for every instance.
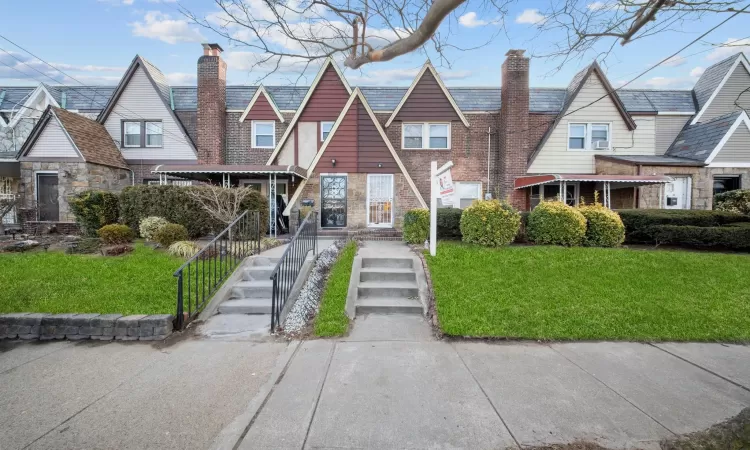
(103, 327)
(12, 139)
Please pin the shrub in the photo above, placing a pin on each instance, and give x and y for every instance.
(417, 226)
(93, 210)
(174, 204)
(150, 225)
(734, 201)
(490, 223)
(115, 234)
(729, 237)
(184, 249)
(638, 221)
(449, 223)
(604, 227)
(556, 223)
(170, 233)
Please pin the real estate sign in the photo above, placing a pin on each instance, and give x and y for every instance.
(445, 181)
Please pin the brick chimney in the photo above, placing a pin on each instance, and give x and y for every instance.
(212, 105)
(513, 131)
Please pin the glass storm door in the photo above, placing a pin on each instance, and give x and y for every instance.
(380, 200)
(333, 201)
(49, 208)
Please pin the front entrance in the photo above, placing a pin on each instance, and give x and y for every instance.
(379, 200)
(46, 196)
(333, 201)
(677, 193)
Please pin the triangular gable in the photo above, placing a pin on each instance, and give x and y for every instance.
(263, 105)
(43, 132)
(349, 111)
(427, 70)
(28, 106)
(575, 86)
(328, 63)
(739, 129)
(158, 81)
(739, 60)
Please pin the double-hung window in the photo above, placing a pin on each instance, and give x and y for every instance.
(154, 134)
(589, 136)
(264, 134)
(132, 132)
(467, 192)
(325, 129)
(430, 136)
(142, 133)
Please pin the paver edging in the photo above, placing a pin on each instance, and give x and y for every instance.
(76, 327)
(430, 293)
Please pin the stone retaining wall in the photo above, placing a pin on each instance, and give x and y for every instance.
(104, 327)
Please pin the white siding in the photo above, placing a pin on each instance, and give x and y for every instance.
(141, 101)
(733, 90)
(667, 129)
(736, 149)
(53, 143)
(554, 157)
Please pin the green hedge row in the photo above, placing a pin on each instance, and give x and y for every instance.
(727, 237)
(638, 222)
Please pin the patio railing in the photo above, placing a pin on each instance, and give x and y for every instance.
(200, 276)
(287, 269)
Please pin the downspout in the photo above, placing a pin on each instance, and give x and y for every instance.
(489, 146)
(638, 189)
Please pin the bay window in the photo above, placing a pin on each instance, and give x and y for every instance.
(428, 136)
(264, 134)
(589, 136)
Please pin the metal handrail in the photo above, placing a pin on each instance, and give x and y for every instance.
(289, 265)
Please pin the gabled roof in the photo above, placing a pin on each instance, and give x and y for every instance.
(26, 107)
(158, 81)
(356, 95)
(427, 66)
(575, 86)
(90, 139)
(713, 79)
(328, 63)
(261, 91)
(699, 141)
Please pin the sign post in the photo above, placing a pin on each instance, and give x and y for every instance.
(441, 184)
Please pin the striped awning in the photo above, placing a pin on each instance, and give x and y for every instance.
(632, 180)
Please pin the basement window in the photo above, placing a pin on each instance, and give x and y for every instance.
(264, 134)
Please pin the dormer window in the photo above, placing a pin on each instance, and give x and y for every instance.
(142, 133)
(428, 136)
(589, 136)
(264, 134)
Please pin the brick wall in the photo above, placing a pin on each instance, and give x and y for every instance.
(514, 131)
(239, 140)
(211, 115)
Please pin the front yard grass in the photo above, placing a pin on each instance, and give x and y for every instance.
(53, 282)
(557, 293)
(332, 319)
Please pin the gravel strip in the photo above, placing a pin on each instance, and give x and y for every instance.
(306, 306)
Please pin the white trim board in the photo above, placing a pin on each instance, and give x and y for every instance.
(261, 90)
(29, 101)
(740, 59)
(427, 65)
(743, 118)
(328, 62)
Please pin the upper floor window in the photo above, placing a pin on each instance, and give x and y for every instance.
(589, 136)
(142, 133)
(264, 134)
(325, 129)
(426, 136)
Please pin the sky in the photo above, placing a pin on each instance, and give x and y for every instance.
(95, 40)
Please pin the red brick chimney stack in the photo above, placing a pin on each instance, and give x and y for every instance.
(212, 105)
(514, 126)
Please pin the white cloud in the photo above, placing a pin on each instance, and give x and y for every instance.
(530, 16)
(157, 25)
(697, 71)
(470, 20)
(181, 78)
(127, 2)
(731, 46)
(674, 61)
(28, 70)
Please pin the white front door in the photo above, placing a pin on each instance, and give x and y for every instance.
(677, 193)
(380, 200)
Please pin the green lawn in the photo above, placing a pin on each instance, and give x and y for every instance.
(557, 293)
(332, 319)
(53, 282)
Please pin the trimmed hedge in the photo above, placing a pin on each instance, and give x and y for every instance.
(116, 234)
(604, 227)
(556, 223)
(93, 210)
(729, 237)
(417, 226)
(490, 223)
(734, 201)
(638, 221)
(449, 223)
(174, 204)
(170, 233)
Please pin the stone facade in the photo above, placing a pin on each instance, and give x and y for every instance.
(12, 139)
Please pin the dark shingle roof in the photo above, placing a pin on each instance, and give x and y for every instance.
(697, 141)
(654, 160)
(82, 98)
(14, 96)
(709, 81)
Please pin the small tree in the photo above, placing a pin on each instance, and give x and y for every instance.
(223, 204)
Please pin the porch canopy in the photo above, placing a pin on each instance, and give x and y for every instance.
(620, 181)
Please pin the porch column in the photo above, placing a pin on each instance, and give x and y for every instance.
(226, 181)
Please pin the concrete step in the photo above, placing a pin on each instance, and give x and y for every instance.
(257, 273)
(397, 263)
(390, 289)
(246, 306)
(252, 289)
(387, 274)
(263, 261)
(388, 305)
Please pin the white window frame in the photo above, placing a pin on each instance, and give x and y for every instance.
(323, 138)
(425, 135)
(125, 134)
(255, 123)
(457, 199)
(542, 197)
(145, 133)
(588, 138)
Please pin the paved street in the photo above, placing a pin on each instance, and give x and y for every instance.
(387, 385)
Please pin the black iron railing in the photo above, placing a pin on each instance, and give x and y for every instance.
(287, 269)
(201, 275)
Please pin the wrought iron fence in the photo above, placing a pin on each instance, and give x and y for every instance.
(201, 275)
(287, 269)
